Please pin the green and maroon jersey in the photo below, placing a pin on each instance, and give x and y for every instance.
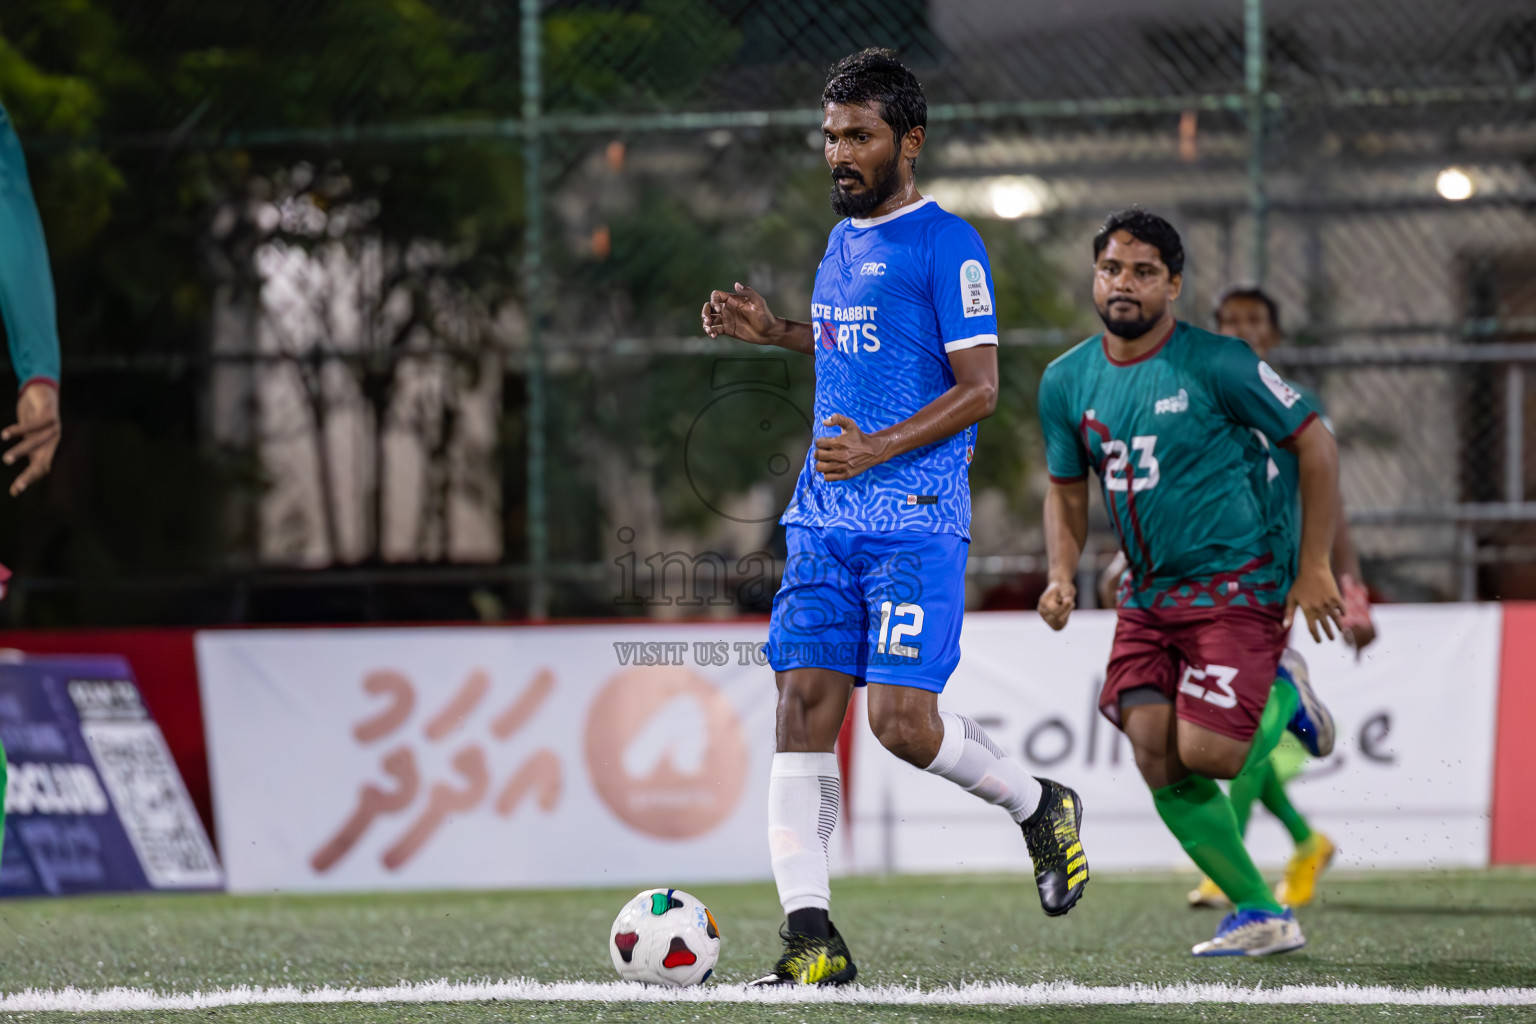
(1180, 439)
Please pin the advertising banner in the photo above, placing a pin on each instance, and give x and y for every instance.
(486, 757)
(164, 670)
(93, 800)
(629, 755)
(1408, 784)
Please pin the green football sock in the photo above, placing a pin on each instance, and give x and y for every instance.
(1279, 804)
(1278, 712)
(1200, 816)
(1257, 770)
(1245, 789)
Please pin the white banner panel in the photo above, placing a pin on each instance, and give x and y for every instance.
(585, 755)
(428, 758)
(1409, 782)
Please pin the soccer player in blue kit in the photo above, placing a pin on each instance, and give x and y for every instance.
(905, 341)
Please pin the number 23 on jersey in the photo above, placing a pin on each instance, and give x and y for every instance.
(1117, 460)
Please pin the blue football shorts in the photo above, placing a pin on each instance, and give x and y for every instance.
(881, 607)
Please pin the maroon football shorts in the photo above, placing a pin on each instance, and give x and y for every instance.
(1216, 665)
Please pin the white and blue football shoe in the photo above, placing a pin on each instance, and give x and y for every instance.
(1254, 933)
(1312, 723)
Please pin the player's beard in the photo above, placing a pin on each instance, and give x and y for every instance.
(1131, 328)
(862, 204)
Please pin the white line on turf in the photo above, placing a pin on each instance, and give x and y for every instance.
(79, 1000)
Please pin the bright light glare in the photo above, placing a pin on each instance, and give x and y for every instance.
(1015, 199)
(1010, 197)
(1454, 184)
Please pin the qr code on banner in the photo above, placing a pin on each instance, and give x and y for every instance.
(153, 804)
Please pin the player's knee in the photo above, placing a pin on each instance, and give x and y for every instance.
(1214, 763)
(795, 717)
(907, 736)
(1157, 767)
(908, 744)
(796, 699)
(887, 723)
(810, 692)
(811, 709)
(1147, 727)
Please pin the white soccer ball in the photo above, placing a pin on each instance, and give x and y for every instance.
(664, 937)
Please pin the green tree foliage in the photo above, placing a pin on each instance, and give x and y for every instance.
(1029, 295)
(141, 236)
(652, 53)
(149, 127)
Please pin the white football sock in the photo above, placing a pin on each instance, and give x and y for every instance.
(803, 795)
(968, 758)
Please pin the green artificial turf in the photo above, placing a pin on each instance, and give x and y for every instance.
(1449, 929)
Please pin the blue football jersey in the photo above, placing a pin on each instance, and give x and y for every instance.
(894, 296)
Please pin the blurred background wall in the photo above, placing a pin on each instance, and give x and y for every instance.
(386, 310)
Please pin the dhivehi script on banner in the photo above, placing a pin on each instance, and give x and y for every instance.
(485, 757)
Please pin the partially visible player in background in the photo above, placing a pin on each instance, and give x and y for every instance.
(31, 332)
(1249, 313)
(905, 342)
(1252, 314)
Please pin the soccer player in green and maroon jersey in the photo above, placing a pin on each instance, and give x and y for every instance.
(26, 309)
(1176, 422)
(1249, 313)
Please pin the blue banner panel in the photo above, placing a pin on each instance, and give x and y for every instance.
(93, 800)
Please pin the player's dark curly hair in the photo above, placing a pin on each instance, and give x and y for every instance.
(875, 75)
(1248, 291)
(1144, 227)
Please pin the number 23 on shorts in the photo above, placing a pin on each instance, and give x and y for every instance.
(1218, 689)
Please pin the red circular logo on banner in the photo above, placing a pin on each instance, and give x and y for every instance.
(666, 751)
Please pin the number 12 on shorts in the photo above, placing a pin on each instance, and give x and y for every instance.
(900, 630)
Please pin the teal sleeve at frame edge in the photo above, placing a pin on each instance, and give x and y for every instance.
(26, 282)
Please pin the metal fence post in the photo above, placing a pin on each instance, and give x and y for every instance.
(1253, 88)
(1466, 562)
(533, 267)
(1514, 433)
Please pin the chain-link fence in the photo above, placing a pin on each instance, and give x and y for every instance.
(388, 311)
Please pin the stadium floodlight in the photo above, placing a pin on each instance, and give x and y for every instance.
(1454, 184)
(1013, 198)
(1009, 197)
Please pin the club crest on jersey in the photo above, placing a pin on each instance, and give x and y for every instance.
(1178, 403)
(1287, 395)
(975, 298)
(873, 270)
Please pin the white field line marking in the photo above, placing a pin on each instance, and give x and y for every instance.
(79, 1000)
